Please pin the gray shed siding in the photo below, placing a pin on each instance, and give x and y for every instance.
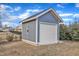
(47, 18)
(29, 31)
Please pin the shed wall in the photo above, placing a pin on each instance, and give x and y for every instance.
(29, 31)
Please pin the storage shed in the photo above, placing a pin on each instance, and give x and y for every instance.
(41, 28)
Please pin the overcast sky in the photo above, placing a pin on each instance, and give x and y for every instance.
(12, 13)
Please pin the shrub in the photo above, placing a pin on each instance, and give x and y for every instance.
(9, 38)
(68, 35)
(65, 33)
(62, 35)
(75, 35)
(15, 37)
(71, 34)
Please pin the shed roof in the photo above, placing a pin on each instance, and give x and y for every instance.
(42, 13)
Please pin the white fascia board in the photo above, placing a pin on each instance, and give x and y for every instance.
(56, 14)
(43, 13)
(29, 19)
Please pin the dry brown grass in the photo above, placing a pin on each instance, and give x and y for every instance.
(23, 49)
(5, 35)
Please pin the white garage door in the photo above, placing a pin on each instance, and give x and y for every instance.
(48, 33)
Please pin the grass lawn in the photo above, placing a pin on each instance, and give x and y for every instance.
(21, 48)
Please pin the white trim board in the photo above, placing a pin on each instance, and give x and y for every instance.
(37, 31)
(33, 43)
(47, 23)
(30, 42)
(50, 43)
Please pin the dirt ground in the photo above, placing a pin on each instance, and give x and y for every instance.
(19, 48)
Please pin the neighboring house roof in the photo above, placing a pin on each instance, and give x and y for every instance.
(33, 17)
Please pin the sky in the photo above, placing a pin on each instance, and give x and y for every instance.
(12, 13)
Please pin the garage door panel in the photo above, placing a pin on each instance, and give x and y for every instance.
(48, 33)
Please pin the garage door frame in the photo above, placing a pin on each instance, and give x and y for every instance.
(49, 24)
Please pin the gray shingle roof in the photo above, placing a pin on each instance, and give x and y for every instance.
(40, 13)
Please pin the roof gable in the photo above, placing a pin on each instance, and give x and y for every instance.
(42, 13)
(47, 17)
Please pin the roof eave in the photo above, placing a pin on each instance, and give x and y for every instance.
(35, 17)
(26, 20)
